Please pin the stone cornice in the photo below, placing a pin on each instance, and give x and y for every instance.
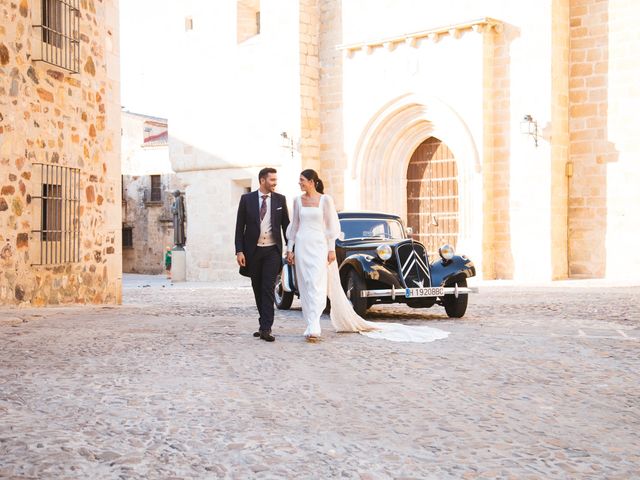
(480, 25)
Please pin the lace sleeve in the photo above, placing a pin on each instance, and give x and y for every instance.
(292, 229)
(331, 222)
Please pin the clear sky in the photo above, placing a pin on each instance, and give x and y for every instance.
(144, 55)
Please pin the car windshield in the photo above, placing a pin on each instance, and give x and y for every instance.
(371, 228)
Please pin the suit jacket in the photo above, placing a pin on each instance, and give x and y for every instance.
(248, 223)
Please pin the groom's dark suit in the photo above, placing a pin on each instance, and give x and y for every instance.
(263, 263)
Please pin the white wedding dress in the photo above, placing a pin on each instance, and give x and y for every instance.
(312, 230)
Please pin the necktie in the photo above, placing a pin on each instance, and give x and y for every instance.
(263, 207)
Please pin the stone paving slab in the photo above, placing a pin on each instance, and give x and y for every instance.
(531, 383)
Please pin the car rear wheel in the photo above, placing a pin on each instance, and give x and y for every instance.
(456, 307)
(283, 299)
(355, 285)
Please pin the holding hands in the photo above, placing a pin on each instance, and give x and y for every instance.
(291, 258)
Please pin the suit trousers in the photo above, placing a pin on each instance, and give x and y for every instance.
(264, 267)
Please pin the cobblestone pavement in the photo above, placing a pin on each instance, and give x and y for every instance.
(531, 383)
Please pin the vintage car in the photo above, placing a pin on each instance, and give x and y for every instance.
(379, 262)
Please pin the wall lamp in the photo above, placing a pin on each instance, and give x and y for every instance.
(288, 142)
(528, 126)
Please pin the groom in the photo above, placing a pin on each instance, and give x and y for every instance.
(262, 220)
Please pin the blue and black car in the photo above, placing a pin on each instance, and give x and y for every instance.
(379, 263)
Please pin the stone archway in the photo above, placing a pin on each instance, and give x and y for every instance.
(379, 165)
(432, 195)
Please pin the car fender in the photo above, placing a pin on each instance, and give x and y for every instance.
(370, 268)
(447, 272)
(361, 263)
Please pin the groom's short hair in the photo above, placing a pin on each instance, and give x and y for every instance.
(264, 173)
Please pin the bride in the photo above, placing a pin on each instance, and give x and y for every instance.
(313, 230)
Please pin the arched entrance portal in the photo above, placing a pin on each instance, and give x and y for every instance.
(432, 195)
(383, 152)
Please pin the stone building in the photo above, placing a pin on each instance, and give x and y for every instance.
(147, 179)
(59, 152)
(505, 128)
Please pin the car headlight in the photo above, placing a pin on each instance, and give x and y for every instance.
(384, 252)
(446, 252)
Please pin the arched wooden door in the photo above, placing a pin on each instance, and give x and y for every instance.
(432, 195)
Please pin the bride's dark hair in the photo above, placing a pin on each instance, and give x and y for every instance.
(310, 174)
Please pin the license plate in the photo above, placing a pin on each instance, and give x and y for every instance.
(424, 292)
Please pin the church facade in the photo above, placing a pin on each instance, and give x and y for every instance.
(503, 128)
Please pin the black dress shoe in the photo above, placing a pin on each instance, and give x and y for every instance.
(267, 337)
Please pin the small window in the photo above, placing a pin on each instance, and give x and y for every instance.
(127, 237)
(59, 212)
(52, 22)
(51, 209)
(59, 27)
(156, 188)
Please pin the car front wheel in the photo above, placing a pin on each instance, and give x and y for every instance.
(355, 285)
(282, 298)
(456, 307)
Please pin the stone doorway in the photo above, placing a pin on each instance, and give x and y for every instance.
(432, 195)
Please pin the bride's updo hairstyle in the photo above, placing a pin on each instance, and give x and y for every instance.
(310, 174)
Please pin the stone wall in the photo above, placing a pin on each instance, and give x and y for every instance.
(50, 116)
(497, 253)
(331, 137)
(604, 98)
(590, 150)
(151, 223)
(559, 138)
(145, 152)
(247, 25)
(309, 85)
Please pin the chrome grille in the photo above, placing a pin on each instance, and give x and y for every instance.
(412, 265)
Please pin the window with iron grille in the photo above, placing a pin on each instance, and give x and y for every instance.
(51, 205)
(127, 237)
(59, 211)
(59, 32)
(156, 188)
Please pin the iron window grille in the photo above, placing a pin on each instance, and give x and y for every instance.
(59, 233)
(59, 32)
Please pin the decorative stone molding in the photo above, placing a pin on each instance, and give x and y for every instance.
(383, 152)
(480, 25)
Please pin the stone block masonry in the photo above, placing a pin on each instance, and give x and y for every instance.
(54, 117)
